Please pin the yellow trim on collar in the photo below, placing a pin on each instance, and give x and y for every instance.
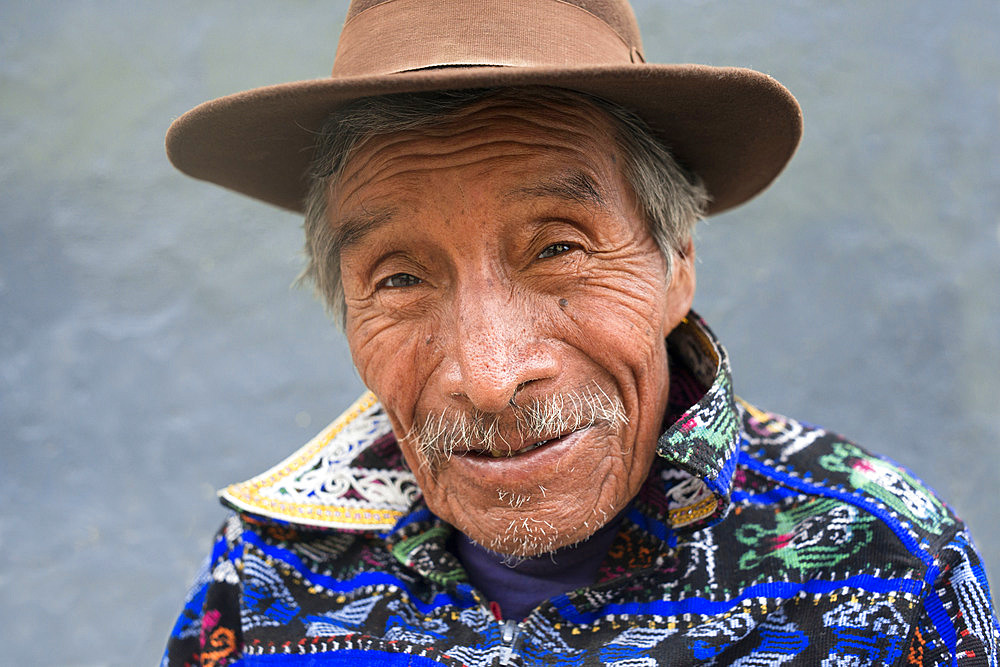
(268, 494)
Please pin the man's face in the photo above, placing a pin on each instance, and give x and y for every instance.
(497, 268)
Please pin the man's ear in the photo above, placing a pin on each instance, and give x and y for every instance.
(680, 292)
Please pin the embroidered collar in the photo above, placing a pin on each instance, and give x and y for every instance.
(704, 440)
(352, 476)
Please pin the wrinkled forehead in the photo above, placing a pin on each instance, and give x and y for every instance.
(571, 138)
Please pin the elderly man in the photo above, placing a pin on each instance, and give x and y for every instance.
(550, 466)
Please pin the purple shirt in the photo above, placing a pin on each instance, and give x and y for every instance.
(520, 588)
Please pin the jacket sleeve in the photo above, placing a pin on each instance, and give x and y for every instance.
(958, 625)
(208, 631)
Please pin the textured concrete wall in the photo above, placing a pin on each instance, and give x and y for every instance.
(151, 349)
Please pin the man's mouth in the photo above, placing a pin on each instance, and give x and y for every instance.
(503, 452)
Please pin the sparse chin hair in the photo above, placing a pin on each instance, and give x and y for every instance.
(527, 537)
(524, 538)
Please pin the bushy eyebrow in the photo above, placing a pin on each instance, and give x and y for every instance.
(575, 186)
(353, 230)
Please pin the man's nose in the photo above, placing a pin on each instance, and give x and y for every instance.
(497, 349)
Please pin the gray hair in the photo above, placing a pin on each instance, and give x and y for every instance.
(671, 199)
(441, 434)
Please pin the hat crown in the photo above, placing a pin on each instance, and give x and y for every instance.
(616, 13)
(383, 37)
(735, 128)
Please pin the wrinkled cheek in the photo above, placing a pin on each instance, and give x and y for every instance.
(365, 354)
(378, 362)
(397, 368)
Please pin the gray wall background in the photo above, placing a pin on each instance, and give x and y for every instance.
(151, 349)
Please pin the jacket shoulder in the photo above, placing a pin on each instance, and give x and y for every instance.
(208, 630)
(815, 461)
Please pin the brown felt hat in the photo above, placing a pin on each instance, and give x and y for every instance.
(734, 127)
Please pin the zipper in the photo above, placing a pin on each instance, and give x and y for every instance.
(510, 630)
(510, 634)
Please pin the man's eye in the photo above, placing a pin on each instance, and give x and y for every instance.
(400, 280)
(553, 250)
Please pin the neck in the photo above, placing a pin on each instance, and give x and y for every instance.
(520, 585)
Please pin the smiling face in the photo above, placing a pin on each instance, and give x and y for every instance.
(508, 307)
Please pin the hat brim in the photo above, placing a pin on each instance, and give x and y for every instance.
(736, 128)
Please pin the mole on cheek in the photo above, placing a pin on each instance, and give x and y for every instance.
(563, 303)
(430, 339)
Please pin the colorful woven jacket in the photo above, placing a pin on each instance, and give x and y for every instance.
(755, 540)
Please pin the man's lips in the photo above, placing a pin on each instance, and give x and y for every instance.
(505, 452)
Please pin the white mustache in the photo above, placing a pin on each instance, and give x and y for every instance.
(439, 435)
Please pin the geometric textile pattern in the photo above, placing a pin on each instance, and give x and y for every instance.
(814, 552)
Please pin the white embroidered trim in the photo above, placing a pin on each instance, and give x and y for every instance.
(317, 486)
(690, 500)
